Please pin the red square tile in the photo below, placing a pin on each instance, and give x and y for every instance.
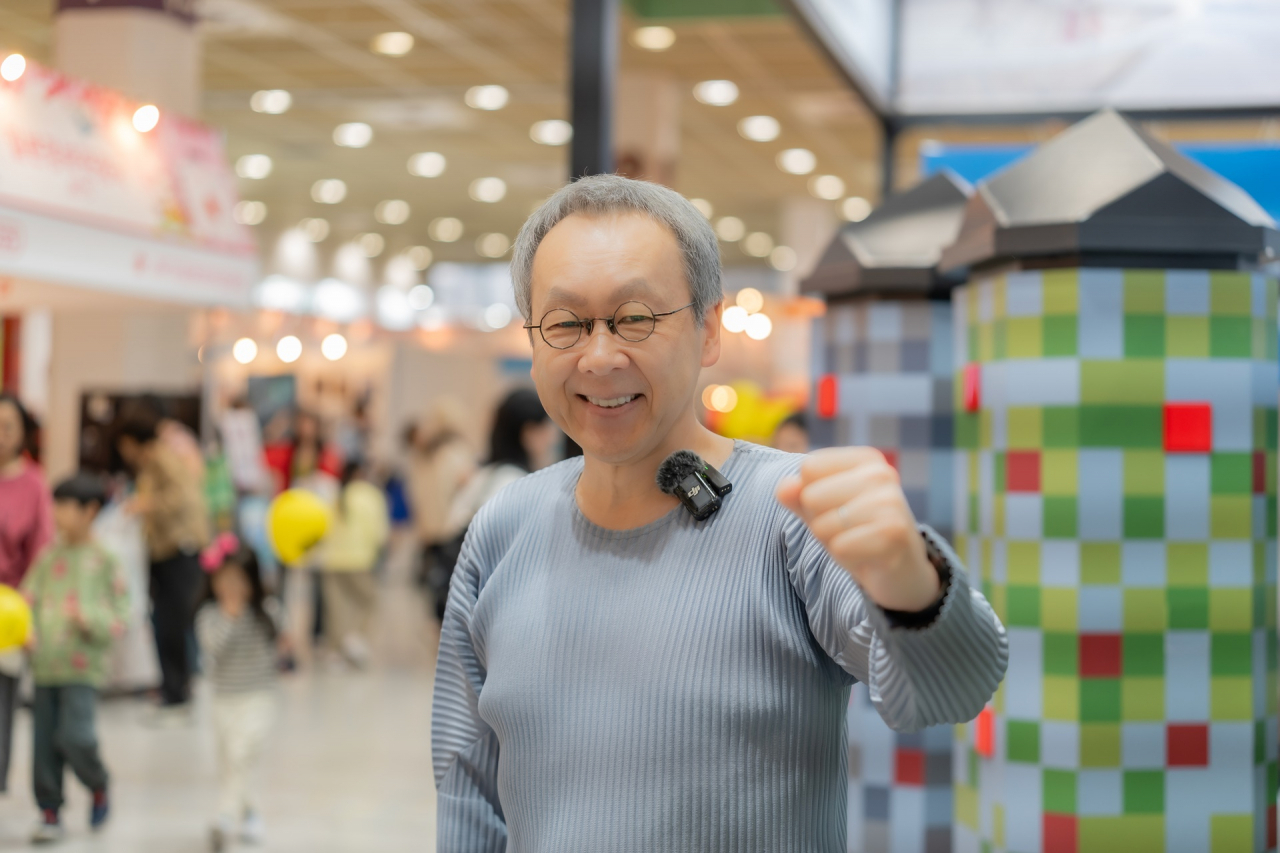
(1259, 472)
(828, 396)
(1022, 471)
(1188, 427)
(972, 387)
(908, 767)
(1100, 655)
(1061, 833)
(1187, 745)
(984, 740)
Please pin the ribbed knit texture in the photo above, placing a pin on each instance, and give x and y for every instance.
(240, 655)
(677, 687)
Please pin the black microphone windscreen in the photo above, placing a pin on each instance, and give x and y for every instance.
(675, 468)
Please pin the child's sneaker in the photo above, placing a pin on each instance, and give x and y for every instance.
(99, 810)
(220, 834)
(49, 830)
(252, 830)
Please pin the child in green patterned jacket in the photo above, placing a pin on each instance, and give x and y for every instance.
(79, 604)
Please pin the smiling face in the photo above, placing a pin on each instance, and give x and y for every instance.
(619, 400)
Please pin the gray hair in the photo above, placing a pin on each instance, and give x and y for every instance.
(597, 195)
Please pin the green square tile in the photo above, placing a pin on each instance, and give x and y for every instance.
(1129, 382)
(1230, 516)
(1000, 343)
(1024, 606)
(1061, 653)
(1144, 336)
(1186, 337)
(1230, 337)
(1144, 792)
(998, 597)
(1023, 563)
(1273, 781)
(1188, 564)
(1230, 609)
(1231, 654)
(1001, 471)
(1060, 517)
(1138, 833)
(1259, 742)
(1022, 741)
(1231, 293)
(1261, 331)
(966, 431)
(1059, 472)
(1144, 291)
(1260, 599)
(1024, 337)
(1144, 472)
(975, 347)
(1188, 607)
(1100, 562)
(997, 515)
(1059, 608)
(1121, 426)
(1099, 744)
(1100, 700)
(1061, 334)
(1143, 652)
(1062, 426)
(1145, 609)
(1061, 698)
(1272, 429)
(1024, 428)
(975, 764)
(1231, 698)
(1143, 699)
(1231, 473)
(1061, 292)
(1059, 791)
(1143, 517)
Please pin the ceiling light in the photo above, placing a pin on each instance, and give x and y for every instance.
(487, 97)
(855, 208)
(13, 66)
(750, 300)
(759, 128)
(827, 187)
(759, 327)
(497, 315)
(724, 399)
(704, 207)
(783, 258)
(488, 190)
(315, 228)
(421, 297)
(446, 229)
(757, 244)
(394, 310)
(717, 93)
(393, 211)
(730, 229)
(271, 101)
(146, 117)
(553, 131)
(392, 44)
(280, 293)
(493, 245)
(254, 166)
(421, 256)
(797, 161)
(428, 164)
(734, 318)
(371, 244)
(653, 38)
(353, 134)
(250, 212)
(432, 319)
(338, 301)
(244, 350)
(289, 349)
(333, 347)
(328, 191)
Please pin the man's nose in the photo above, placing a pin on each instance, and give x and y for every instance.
(602, 351)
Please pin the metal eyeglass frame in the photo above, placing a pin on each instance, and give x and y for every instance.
(588, 323)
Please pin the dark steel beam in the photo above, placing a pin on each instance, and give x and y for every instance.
(593, 74)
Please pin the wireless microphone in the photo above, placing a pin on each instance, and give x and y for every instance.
(698, 485)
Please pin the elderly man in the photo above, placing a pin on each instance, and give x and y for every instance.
(617, 676)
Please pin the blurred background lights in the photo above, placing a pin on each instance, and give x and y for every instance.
(353, 134)
(829, 187)
(553, 131)
(420, 256)
(497, 315)
(446, 229)
(488, 190)
(797, 161)
(734, 318)
(281, 293)
(371, 244)
(271, 101)
(421, 297)
(254, 166)
(244, 350)
(703, 206)
(394, 309)
(328, 191)
(428, 164)
(393, 211)
(250, 212)
(315, 228)
(855, 209)
(730, 229)
(493, 245)
(392, 44)
(719, 398)
(783, 258)
(759, 326)
(146, 117)
(333, 347)
(758, 244)
(338, 301)
(487, 97)
(717, 93)
(13, 66)
(750, 300)
(289, 349)
(653, 38)
(759, 128)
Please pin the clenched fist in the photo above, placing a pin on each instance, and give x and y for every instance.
(852, 501)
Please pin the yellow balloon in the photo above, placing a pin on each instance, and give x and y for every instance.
(296, 521)
(15, 619)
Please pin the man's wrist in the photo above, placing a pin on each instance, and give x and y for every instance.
(927, 616)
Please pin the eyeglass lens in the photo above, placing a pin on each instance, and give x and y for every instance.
(633, 322)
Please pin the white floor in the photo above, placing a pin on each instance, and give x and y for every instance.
(349, 768)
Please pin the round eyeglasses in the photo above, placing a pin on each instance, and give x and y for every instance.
(633, 322)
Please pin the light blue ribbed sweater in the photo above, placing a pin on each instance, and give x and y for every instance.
(677, 687)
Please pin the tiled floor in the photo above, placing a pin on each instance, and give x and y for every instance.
(349, 768)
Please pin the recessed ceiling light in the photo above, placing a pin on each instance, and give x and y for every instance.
(392, 44)
(245, 350)
(271, 101)
(446, 229)
(371, 244)
(146, 117)
(797, 161)
(488, 190)
(493, 245)
(328, 191)
(393, 211)
(254, 166)
(333, 347)
(828, 187)
(653, 38)
(553, 131)
(730, 229)
(759, 327)
(704, 207)
(855, 209)
(420, 256)
(353, 134)
(759, 128)
(428, 164)
(487, 97)
(13, 67)
(289, 349)
(758, 245)
(250, 212)
(717, 93)
(315, 229)
(749, 299)
(783, 258)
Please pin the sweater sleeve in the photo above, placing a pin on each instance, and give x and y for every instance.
(917, 677)
(464, 748)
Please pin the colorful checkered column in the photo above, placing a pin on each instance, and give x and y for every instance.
(886, 381)
(1115, 485)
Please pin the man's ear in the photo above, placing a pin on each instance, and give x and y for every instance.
(711, 334)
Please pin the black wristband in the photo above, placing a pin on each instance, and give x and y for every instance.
(924, 618)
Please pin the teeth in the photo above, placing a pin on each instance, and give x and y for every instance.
(612, 403)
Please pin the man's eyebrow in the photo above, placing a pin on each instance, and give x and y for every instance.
(630, 290)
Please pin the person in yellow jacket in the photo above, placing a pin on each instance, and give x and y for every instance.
(358, 530)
